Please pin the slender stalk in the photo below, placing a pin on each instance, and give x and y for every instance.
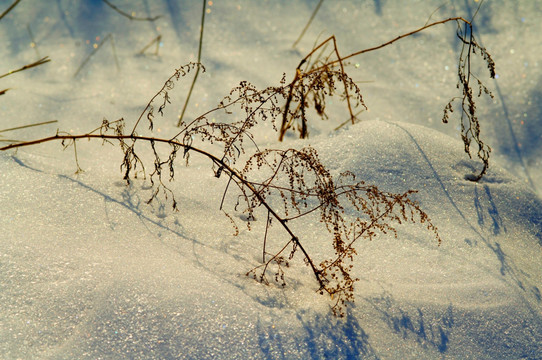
(308, 23)
(155, 40)
(27, 126)
(267, 224)
(352, 117)
(9, 9)
(34, 43)
(198, 61)
(334, 62)
(29, 66)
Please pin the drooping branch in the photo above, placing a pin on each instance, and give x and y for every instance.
(187, 148)
(316, 79)
(297, 178)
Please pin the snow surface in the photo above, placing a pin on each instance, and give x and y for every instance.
(88, 270)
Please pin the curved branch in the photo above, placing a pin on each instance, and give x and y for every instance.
(220, 162)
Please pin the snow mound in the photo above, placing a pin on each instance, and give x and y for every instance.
(89, 271)
(481, 287)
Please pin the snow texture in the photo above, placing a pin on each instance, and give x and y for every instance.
(88, 270)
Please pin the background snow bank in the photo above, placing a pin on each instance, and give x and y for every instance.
(89, 270)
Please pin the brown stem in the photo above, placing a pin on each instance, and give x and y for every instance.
(352, 117)
(200, 46)
(458, 18)
(219, 162)
(9, 9)
(34, 64)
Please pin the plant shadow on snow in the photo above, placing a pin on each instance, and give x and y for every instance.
(531, 129)
(178, 18)
(491, 209)
(522, 133)
(486, 210)
(489, 218)
(486, 203)
(519, 141)
(378, 7)
(428, 330)
(132, 206)
(62, 14)
(129, 204)
(325, 336)
(23, 164)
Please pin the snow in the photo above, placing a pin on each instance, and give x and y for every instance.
(88, 270)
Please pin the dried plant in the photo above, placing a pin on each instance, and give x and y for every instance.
(314, 81)
(304, 186)
(470, 126)
(297, 183)
(287, 184)
(318, 77)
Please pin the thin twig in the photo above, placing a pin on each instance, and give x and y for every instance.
(458, 18)
(155, 40)
(198, 61)
(224, 194)
(30, 125)
(129, 16)
(9, 9)
(308, 23)
(347, 96)
(149, 104)
(267, 224)
(34, 64)
(434, 11)
(79, 170)
(348, 121)
(33, 44)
